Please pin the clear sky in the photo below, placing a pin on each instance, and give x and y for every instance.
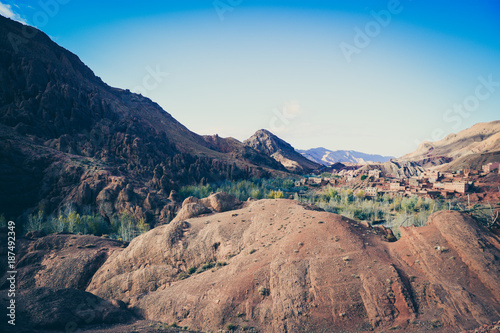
(373, 76)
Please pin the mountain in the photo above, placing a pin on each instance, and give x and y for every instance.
(240, 151)
(482, 138)
(67, 138)
(269, 144)
(397, 169)
(327, 157)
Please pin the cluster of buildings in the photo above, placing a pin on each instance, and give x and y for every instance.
(491, 167)
(432, 184)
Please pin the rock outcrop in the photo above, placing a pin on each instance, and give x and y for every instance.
(61, 261)
(396, 169)
(67, 309)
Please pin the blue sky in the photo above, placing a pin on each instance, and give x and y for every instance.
(373, 76)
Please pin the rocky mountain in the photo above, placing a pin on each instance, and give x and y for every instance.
(328, 157)
(66, 137)
(240, 151)
(482, 138)
(269, 144)
(266, 266)
(396, 169)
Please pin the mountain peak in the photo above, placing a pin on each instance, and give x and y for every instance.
(271, 145)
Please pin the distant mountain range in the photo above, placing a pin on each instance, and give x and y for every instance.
(328, 157)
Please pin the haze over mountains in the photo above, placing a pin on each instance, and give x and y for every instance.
(328, 157)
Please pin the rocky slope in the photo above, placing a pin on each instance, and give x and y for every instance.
(67, 137)
(240, 151)
(477, 140)
(398, 169)
(328, 157)
(269, 144)
(278, 267)
(472, 161)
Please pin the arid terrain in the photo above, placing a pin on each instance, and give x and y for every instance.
(120, 227)
(270, 266)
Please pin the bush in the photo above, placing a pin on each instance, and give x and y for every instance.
(124, 227)
(275, 194)
(263, 291)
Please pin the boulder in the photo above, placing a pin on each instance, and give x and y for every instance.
(191, 210)
(220, 202)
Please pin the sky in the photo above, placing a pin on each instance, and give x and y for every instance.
(372, 76)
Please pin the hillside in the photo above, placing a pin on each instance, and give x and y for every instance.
(328, 157)
(479, 139)
(269, 144)
(272, 266)
(67, 138)
(396, 169)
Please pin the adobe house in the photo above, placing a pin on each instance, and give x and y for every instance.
(490, 167)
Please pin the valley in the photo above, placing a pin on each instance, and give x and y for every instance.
(123, 220)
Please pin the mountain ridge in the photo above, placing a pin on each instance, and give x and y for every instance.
(271, 145)
(328, 157)
(481, 138)
(68, 138)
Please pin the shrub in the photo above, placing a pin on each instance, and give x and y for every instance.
(263, 291)
(275, 194)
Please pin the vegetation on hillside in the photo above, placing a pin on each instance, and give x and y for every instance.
(123, 227)
(256, 188)
(391, 211)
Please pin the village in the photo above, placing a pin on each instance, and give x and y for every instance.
(429, 184)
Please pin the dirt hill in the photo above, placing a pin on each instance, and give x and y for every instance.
(278, 267)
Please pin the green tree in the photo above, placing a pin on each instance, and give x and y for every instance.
(275, 194)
